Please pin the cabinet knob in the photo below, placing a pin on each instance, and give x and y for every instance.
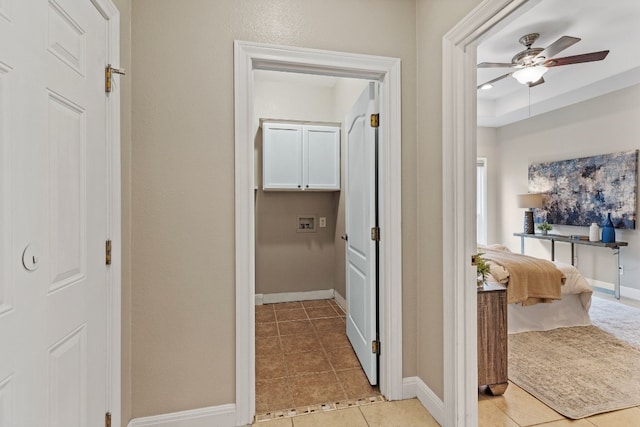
(307, 185)
(298, 186)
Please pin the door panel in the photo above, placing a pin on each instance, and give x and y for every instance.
(360, 218)
(321, 157)
(66, 38)
(67, 181)
(282, 151)
(68, 380)
(53, 207)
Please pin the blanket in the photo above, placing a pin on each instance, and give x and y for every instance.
(530, 280)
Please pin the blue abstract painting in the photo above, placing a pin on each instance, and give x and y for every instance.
(583, 191)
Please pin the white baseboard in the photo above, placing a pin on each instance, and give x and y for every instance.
(340, 300)
(293, 296)
(415, 387)
(213, 416)
(631, 293)
(600, 284)
(625, 291)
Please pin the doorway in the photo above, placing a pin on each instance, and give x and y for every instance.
(250, 57)
(303, 356)
(459, 158)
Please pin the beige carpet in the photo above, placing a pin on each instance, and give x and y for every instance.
(578, 371)
(617, 319)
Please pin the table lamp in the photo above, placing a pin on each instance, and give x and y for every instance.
(529, 201)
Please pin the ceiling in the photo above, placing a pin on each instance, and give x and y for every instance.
(602, 25)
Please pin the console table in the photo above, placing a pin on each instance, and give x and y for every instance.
(615, 247)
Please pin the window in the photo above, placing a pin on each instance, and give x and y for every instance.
(481, 201)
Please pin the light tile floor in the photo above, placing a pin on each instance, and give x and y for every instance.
(517, 408)
(403, 413)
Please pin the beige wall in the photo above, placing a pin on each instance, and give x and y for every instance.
(288, 261)
(602, 125)
(435, 18)
(182, 252)
(487, 148)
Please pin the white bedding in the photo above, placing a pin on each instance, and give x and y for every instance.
(563, 313)
(571, 310)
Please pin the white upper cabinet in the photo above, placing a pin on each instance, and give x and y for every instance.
(300, 157)
(321, 157)
(282, 156)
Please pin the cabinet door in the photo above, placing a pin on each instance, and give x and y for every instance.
(282, 153)
(492, 338)
(321, 153)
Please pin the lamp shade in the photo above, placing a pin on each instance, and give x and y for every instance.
(530, 200)
(529, 74)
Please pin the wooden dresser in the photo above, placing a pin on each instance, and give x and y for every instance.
(492, 338)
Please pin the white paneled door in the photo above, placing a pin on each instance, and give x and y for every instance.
(361, 217)
(53, 214)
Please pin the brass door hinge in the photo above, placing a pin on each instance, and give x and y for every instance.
(474, 260)
(375, 234)
(375, 347)
(107, 250)
(375, 120)
(108, 71)
(107, 419)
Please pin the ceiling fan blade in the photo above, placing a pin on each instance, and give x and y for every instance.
(539, 82)
(558, 46)
(495, 65)
(576, 59)
(490, 82)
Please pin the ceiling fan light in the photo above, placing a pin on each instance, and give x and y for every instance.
(529, 74)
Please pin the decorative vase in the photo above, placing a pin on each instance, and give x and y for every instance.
(608, 232)
(594, 232)
(545, 232)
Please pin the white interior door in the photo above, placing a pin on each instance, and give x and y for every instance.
(361, 253)
(53, 214)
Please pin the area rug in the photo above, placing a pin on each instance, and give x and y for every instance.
(617, 319)
(579, 371)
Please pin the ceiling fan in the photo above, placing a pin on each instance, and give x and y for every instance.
(533, 62)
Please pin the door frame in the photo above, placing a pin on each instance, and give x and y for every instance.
(249, 56)
(459, 151)
(113, 280)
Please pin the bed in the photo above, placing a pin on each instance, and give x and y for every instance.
(570, 308)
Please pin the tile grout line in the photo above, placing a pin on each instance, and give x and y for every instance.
(288, 378)
(333, 368)
(364, 416)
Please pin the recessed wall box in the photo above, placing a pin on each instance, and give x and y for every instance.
(306, 224)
